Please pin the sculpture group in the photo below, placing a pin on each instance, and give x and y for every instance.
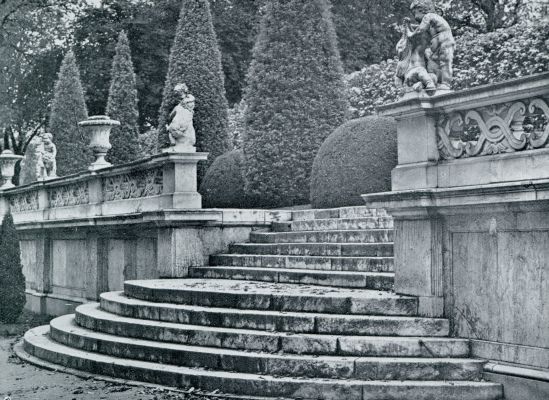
(425, 51)
(46, 151)
(180, 123)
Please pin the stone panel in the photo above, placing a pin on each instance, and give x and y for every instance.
(69, 264)
(28, 261)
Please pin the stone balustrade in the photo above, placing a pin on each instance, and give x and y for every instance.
(487, 134)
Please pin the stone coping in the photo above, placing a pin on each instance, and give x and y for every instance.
(534, 193)
(480, 96)
(165, 218)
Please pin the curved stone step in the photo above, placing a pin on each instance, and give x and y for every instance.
(65, 331)
(345, 236)
(364, 280)
(119, 304)
(38, 343)
(271, 296)
(350, 264)
(92, 317)
(315, 249)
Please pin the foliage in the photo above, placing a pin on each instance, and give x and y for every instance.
(68, 108)
(147, 142)
(196, 61)
(479, 59)
(122, 105)
(223, 184)
(357, 158)
(12, 280)
(295, 97)
(237, 129)
(365, 30)
(236, 23)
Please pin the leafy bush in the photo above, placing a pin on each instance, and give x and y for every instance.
(195, 60)
(12, 280)
(479, 59)
(67, 110)
(223, 184)
(357, 158)
(295, 97)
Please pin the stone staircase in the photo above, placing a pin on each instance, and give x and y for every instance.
(304, 311)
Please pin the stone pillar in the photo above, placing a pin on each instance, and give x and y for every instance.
(180, 181)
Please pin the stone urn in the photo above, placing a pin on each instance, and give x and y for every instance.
(99, 130)
(7, 168)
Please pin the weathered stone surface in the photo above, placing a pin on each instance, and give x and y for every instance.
(345, 236)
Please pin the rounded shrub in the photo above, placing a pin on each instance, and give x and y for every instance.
(12, 280)
(357, 158)
(223, 184)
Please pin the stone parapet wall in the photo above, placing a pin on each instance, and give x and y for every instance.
(470, 202)
(85, 234)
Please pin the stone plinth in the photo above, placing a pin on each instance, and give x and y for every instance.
(470, 200)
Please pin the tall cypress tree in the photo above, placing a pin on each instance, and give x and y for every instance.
(67, 110)
(122, 105)
(296, 98)
(196, 61)
(12, 280)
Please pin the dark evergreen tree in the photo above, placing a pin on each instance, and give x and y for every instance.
(295, 96)
(12, 280)
(69, 108)
(122, 105)
(196, 61)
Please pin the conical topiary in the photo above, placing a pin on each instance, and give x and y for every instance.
(296, 97)
(67, 110)
(195, 60)
(12, 280)
(122, 105)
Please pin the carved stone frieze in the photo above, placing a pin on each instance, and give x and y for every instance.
(69, 195)
(502, 128)
(24, 202)
(133, 185)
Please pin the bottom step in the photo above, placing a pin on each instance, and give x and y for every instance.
(38, 343)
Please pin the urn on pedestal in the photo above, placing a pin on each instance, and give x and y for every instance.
(99, 128)
(7, 168)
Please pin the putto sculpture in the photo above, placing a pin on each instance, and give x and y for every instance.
(46, 153)
(180, 123)
(426, 51)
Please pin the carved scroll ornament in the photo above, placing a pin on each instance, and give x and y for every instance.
(69, 195)
(503, 128)
(24, 202)
(133, 185)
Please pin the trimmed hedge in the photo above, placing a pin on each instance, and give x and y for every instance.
(479, 59)
(357, 158)
(12, 280)
(296, 97)
(223, 184)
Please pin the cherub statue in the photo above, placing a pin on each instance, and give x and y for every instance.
(411, 68)
(180, 122)
(46, 153)
(440, 54)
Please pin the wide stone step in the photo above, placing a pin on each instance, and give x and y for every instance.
(92, 317)
(350, 236)
(38, 343)
(343, 212)
(65, 331)
(336, 224)
(295, 322)
(271, 296)
(364, 280)
(315, 249)
(351, 264)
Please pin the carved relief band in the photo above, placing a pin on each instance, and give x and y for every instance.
(69, 195)
(501, 128)
(133, 185)
(24, 202)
